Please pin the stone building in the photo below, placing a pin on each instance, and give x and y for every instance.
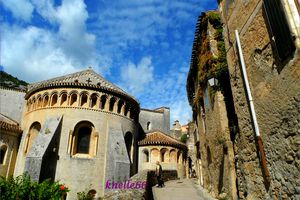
(262, 153)
(80, 129)
(158, 146)
(11, 107)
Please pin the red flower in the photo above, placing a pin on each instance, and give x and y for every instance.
(62, 187)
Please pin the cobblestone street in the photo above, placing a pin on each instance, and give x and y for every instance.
(181, 190)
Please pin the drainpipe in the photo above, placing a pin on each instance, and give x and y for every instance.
(252, 110)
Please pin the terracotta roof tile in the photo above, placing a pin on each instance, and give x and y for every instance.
(160, 138)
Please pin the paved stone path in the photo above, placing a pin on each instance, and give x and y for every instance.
(184, 189)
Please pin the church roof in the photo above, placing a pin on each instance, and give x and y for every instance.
(160, 138)
(86, 78)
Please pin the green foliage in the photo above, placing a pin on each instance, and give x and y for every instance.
(84, 196)
(8, 80)
(184, 138)
(22, 187)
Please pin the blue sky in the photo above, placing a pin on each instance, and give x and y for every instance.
(143, 46)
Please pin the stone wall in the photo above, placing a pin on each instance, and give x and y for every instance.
(12, 103)
(276, 96)
(159, 119)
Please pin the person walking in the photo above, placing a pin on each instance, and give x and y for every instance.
(158, 173)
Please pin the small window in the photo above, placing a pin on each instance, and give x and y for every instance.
(103, 101)
(146, 155)
(3, 151)
(279, 29)
(54, 100)
(163, 154)
(73, 99)
(84, 99)
(46, 100)
(112, 104)
(94, 99)
(148, 126)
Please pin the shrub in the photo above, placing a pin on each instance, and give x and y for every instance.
(22, 187)
(184, 138)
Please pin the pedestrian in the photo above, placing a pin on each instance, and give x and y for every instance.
(158, 173)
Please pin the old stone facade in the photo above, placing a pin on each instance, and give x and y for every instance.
(269, 38)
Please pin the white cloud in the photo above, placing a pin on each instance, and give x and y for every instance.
(136, 77)
(33, 53)
(21, 9)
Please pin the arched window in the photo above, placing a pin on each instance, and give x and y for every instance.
(155, 155)
(146, 155)
(63, 99)
(28, 105)
(82, 133)
(84, 99)
(3, 151)
(148, 126)
(120, 105)
(73, 99)
(94, 99)
(103, 101)
(54, 99)
(32, 134)
(112, 104)
(46, 100)
(163, 155)
(172, 156)
(128, 141)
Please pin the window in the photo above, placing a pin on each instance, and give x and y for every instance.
(3, 151)
(279, 29)
(128, 141)
(81, 142)
(39, 102)
(112, 103)
(126, 110)
(120, 105)
(146, 155)
(94, 99)
(73, 99)
(172, 156)
(32, 134)
(103, 101)
(148, 126)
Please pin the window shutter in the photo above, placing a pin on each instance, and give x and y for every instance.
(279, 28)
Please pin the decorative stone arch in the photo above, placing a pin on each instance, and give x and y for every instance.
(3, 153)
(112, 102)
(146, 157)
(39, 101)
(73, 98)
(128, 137)
(120, 106)
(103, 101)
(83, 140)
(33, 103)
(164, 155)
(29, 105)
(63, 95)
(33, 131)
(84, 96)
(127, 109)
(155, 155)
(172, 156)
(54, 98)
(179, 157)
(45, 99)
(94, 100)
